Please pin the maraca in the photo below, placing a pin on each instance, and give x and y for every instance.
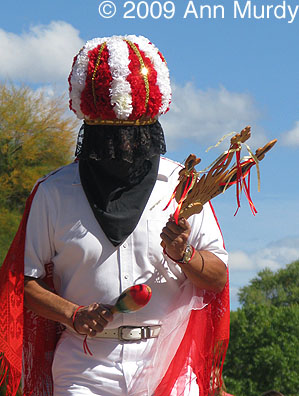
(132, 299)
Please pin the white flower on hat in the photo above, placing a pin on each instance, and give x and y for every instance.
(121, 78)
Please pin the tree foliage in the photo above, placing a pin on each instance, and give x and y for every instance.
(279, 289)
(264, 344)
(9, 221)
(36, 137)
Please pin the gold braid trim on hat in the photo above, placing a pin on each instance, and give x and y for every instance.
(95, 72)
(142, 68)
(120, 122)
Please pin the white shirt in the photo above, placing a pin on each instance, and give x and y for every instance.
(88, 268)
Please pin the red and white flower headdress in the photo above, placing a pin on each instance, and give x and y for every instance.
(119, 80)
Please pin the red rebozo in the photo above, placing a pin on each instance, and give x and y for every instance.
(22, 333)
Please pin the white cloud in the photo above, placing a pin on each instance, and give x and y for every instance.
(42, 55)
(274, 256)
(47, 90)
(245, 266)
(205, 116)
(240, 260)
(291, 137)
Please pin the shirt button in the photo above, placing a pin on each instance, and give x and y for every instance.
(125, 245)
(126, 276)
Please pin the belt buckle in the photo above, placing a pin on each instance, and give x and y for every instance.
(144, 333)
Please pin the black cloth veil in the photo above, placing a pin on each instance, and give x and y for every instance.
(118, 167)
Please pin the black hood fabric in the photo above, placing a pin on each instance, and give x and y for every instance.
(117, 192)
(129, 143)
(118, 168)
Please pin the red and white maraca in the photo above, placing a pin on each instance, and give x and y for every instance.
(132, 299)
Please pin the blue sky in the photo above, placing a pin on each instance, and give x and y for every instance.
(226, 73)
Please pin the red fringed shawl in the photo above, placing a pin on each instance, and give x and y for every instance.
(24, 334)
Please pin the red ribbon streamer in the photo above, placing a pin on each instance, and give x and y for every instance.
(241, 179)
(188, 186)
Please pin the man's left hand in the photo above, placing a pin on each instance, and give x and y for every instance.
(175, 237)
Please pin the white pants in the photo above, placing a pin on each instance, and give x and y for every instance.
(106, 373)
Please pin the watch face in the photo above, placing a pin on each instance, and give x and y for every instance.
(187, 254)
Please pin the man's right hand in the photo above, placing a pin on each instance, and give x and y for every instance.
(89, 319)
(92, 319)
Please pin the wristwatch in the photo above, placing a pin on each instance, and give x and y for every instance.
(188, 254)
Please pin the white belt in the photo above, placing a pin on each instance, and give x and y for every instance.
(131, 333)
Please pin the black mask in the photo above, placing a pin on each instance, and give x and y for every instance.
(118, 168)
(118, 192)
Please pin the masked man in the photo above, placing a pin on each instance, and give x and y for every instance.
(100, 222)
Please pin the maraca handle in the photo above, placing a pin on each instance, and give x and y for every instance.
(114, 309)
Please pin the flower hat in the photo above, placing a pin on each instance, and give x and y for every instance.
(119, 80)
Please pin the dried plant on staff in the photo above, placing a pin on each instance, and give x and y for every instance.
(196, 188)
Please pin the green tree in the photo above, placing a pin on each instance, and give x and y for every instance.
(9, 221)
(280, 288)
(264, 344)
(36, 136)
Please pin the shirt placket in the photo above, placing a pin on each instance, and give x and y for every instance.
(126, 257)
(126, 264)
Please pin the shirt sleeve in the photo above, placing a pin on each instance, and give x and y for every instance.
(206, 233)
(39, 236)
